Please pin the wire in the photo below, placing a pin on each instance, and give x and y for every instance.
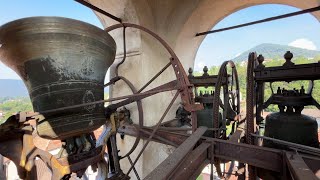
(95, 8)
(261, 21)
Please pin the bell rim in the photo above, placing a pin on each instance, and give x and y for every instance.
(34, 22)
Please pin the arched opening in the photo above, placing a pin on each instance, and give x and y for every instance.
(299, 31)
(298, 34)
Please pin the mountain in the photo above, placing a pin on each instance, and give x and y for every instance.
(271, 51)
(12, 88)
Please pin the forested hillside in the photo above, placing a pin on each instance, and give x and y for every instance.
(9, 106)
(275, 51)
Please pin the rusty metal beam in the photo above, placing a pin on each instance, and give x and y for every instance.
(159, 138)
(204, 80)
(189, 167)
(176, 138)
(295, 146)
(313, 163)
(266, 158)
(298, 168)
(288, 73)
(165, 169)
(257, 156)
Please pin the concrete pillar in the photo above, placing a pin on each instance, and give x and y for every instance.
(177, 22)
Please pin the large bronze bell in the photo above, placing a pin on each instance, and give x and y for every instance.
(62, 62)
(290, 125)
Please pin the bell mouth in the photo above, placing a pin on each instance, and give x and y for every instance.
(63, 62)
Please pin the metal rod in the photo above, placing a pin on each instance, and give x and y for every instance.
(171, 84)
(261, 21)
(134, 169)
(299, 147)
(148, 93)
(114, 151)
(154, 131)
(124, 51)
(154, 77)
(112, 81)
(95, 8)
(160, 138)
(140, 115)
(185, 129)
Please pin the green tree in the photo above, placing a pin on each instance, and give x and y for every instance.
(242, 74)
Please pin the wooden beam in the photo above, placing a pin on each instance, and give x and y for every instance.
(298, 168)
(165, 169)
(192, 162)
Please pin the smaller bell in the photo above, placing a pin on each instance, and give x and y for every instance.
(205, 118)
(292, 126)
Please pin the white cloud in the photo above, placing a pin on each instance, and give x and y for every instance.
(303, 43)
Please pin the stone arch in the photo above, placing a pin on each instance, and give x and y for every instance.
(177, 23)
(209, 13)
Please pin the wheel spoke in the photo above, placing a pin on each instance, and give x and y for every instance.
(134, 169)
(129, 98)
(141, 118)
(163, 88)
(181, 83)
(154, 131)
(154, 77)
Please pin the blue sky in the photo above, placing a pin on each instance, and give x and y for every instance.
(300, 31)
(216, 48)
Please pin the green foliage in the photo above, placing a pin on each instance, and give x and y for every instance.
(11, 106)
(242, 74)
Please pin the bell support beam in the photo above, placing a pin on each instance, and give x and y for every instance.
(266, 158)
(165, 169)
(193, 163)
(288, 73)
(298, 168)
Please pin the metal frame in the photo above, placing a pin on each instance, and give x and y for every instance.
(257, 156)
(193, 151)
(257, 76)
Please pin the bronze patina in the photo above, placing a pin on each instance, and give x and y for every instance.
(62, 62)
